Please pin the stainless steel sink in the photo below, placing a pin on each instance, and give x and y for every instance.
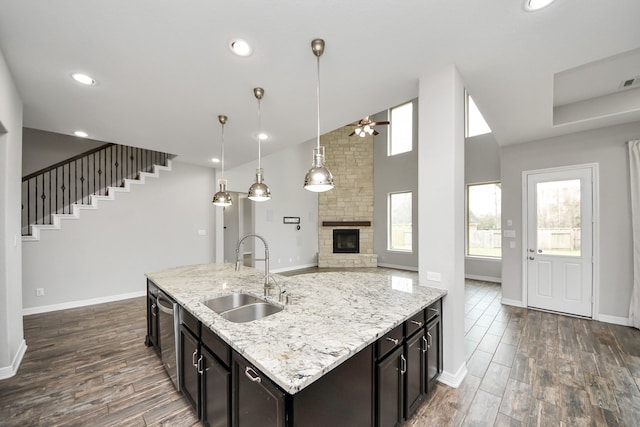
(250, 312)
(240, 308)
(231, 301)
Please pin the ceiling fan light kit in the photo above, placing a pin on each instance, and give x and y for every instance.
(365, 127)
(318, 179)
(222, 197)
(259, 191)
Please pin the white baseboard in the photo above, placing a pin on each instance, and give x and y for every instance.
(624, 321)
(9, 371)
(513, 302)
(483, 278)
(75, 304)
(453, 380)
(398, 267)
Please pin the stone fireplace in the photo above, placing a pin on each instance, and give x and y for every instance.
(349, 206)
(346, 241)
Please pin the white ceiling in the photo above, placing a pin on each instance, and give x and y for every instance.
(165, 72)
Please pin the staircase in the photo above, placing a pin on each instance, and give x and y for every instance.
(63, 190)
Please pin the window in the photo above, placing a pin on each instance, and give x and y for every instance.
(401, 134)
(474, 122)
(400, 230)
(484, 234)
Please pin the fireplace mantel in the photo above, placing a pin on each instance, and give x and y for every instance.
(346, 223)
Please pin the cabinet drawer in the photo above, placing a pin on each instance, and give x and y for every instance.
(389, 341)
(434, 310)
(216, 345)
(190, 322)
(414, 323)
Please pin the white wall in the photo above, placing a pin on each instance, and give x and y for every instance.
(284, 174)
(41, 149)
(104, 255)
(482, 164)
(605, 146)
(12, 345)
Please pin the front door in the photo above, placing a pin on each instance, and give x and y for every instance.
(559, 240)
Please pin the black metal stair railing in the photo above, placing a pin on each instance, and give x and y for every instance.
(55, 189)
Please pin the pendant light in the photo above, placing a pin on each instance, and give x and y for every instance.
(222, 197)
(319, 178)
(259, 191)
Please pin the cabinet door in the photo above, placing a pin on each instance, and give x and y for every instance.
(190, 378)
(390, 390)
(256, 400)
(414, 349)
(434, 354)
(152, 323)
(215, 391)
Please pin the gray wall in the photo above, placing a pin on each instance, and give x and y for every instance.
(284, 173)
(12, 345)
(103, 255)
(605, 146)
(482, 164)
(41, 149)
(394, 174)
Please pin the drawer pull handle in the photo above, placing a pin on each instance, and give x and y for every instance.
(393, 340)
(193, 358)
(426, 344)
(255, 378)
(429, 340)
(403, 368)
(415, 322)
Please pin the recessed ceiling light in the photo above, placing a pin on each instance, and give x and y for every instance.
(537, 4)
(215, 160)
(81, 134)
(240, 47)
(83, 78)
(263, 137)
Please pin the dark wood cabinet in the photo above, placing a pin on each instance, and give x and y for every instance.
(390, 391)
(189, 374)
(152, 338)
(256, 400)
(434, 353)
(215, 383)
(415, 352)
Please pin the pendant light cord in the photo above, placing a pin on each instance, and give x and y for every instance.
(318, 99)
(259, 133)
(222, 175)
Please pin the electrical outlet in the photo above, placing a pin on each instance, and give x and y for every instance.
(39, 292)
(434, 277)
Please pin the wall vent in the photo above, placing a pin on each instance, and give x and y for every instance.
(630, 83)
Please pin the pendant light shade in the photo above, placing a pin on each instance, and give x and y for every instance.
(318, 179)
(259, 191)
(222, 197)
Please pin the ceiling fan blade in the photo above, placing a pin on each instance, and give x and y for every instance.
(378, 123)
(352, 133)
(375, 132)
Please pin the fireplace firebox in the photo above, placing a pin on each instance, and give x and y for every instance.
(346, 241)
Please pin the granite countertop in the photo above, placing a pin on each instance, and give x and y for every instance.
(332, 315)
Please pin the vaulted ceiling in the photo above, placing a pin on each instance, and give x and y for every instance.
(164, 69)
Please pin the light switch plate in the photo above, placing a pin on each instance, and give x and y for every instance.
(433, 276)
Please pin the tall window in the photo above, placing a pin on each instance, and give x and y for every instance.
(401, 134)
(484, 234)
(400, 230)
(474, 122)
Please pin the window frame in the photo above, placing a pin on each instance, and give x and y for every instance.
(466, 222)
(390, 247)
(390, 133)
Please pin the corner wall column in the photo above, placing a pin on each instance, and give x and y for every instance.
(441, 206)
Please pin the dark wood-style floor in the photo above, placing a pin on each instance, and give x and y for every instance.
(89, 367)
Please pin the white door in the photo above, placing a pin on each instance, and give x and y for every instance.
(559, 241)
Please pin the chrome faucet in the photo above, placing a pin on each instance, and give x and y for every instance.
(266, 259)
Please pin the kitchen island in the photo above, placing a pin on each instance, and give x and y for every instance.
(335, 325)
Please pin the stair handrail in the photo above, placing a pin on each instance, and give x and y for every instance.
(65, 161)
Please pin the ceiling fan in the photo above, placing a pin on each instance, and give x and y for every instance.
(365, 127)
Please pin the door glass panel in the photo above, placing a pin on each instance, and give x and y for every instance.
(558, 218)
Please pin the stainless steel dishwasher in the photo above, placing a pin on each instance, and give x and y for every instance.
(168, 326)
